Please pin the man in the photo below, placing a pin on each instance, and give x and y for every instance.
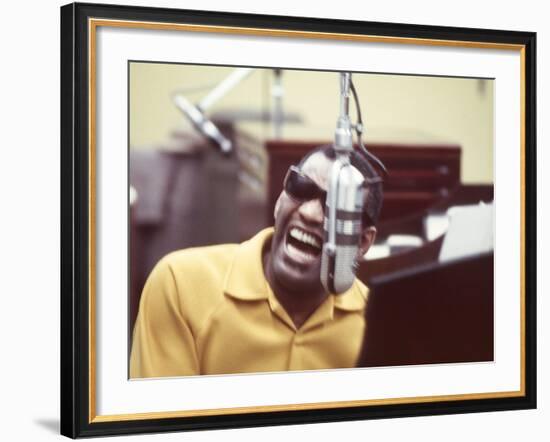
(260, 305)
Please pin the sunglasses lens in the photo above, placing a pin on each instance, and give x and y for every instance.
(301, 187)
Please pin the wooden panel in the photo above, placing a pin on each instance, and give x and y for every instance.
(441, 313)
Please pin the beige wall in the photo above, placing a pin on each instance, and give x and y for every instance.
(395, 107)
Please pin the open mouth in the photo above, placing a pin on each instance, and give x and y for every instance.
(304, 243)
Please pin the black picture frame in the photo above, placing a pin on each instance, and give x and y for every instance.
(77, 405)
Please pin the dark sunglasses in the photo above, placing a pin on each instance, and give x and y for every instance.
(302, 188)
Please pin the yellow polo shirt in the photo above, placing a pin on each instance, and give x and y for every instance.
(210, 310)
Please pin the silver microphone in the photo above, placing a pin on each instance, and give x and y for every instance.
(344, 206)
(202, 124)
(195, 113)
(342, 227)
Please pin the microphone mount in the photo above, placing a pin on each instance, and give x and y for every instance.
(343, 137)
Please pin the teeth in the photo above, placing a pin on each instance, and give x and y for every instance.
(305, 237)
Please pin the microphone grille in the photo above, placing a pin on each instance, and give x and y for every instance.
(344, 268)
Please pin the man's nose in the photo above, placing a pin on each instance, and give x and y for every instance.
(312, 211)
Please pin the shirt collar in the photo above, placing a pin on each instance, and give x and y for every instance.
(245, 279)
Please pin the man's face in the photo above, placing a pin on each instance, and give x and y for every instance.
(296, 247)
(298, 239)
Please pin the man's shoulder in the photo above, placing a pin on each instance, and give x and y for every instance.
(195, 279)
(200, 262)
(192, 254)
(191, 281)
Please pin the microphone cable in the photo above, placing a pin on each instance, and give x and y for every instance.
(359, 131)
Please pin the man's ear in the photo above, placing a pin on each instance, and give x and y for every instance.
(367, 239)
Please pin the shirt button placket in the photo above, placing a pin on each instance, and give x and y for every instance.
(295, 356)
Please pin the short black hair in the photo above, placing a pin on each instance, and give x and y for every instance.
(375, 194)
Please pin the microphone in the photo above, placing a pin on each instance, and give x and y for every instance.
(195, 113)
(344, 205)
(202, 124)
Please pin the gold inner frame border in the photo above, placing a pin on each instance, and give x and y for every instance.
(93, 24)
